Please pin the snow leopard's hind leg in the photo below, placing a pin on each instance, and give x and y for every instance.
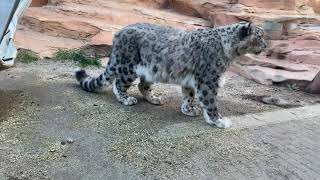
(146, 91)
(188, 108)
(127, 57)
(120, 87)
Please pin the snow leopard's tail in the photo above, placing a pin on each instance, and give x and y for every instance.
(91, 84)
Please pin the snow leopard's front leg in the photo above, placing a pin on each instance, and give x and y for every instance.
(188, 108)
(207, 94)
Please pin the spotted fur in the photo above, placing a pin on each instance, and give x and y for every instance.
(195, 60)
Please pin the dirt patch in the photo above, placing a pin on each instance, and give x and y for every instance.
(9, 100)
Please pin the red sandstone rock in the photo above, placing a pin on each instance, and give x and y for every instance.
(203, 8)
(268, 76)
(298, 50)
(55, 24)
(309, 57)
(38, 3)
(187, 7)
(221, 19)
(268, 71)
(102, 38)
(42, 44)
(314, 86)
(270, 4)
(93, 23)
(261, 60)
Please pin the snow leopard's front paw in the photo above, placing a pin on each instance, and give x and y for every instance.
(220, 122)
(130, 101)
(190, 110)
(223, 123)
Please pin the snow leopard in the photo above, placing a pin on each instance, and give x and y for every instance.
(196, 60)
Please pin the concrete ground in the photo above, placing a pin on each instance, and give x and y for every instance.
(51, 129)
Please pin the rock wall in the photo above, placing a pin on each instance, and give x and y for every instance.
(292, 28)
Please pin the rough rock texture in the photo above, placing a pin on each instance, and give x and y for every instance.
(314, 86)
(315, 4)
(270, 4)
(291, 61)
(38, 3)
(43, 44)
(90, 22)
(292, 28)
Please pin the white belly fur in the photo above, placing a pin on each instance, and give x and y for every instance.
(187, 81)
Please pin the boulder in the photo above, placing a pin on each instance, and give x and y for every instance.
(265, 70)
(268, 76)
(263, 61)
(303, 49)
(55, 24)
(102, 38)
(314, 86)
(42, 44)
(308, 57)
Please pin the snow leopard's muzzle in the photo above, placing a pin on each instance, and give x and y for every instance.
(257, 44)
(251, 40)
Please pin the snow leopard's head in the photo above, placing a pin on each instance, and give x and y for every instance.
(251, 39)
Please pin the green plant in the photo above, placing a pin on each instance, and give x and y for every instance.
(293, 87)
(77, 57)
(27, 56)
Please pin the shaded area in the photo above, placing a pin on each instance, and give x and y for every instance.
(9, 99)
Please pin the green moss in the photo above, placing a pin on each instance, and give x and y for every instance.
(76, 56)
(27, 56)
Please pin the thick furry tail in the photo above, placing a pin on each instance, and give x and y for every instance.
(91, 84)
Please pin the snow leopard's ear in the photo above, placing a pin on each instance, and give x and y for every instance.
(245, 30)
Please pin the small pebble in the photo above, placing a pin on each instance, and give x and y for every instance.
(69, 140)
(52, 150)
